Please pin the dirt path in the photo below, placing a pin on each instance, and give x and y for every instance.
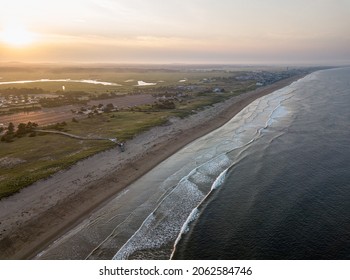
(75, 136)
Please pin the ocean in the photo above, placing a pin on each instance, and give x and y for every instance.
(286, 192)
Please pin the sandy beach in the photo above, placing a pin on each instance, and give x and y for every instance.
(34, 218)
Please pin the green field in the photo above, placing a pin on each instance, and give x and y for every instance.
(32, 158)
(29, 159)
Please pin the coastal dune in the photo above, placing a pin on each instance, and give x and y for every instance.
(54, 218)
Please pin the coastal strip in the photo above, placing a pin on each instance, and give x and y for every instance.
(39, 214)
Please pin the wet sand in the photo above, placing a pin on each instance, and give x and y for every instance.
(37, 216)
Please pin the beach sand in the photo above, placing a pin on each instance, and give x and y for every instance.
(40, 214)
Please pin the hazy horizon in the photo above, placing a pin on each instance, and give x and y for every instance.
(164, 32)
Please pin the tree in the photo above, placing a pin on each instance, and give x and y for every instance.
(21, 130)
(11, 128)
(109, 107)
(9, 135)
(7, 138)
(31, 126)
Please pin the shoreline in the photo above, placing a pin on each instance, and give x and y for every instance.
(43, 212)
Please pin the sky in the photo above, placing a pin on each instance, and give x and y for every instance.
(183, 31)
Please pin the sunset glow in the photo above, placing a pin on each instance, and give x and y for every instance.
(157, 31)
(16, 36)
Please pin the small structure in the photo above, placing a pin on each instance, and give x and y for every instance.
(218, 90)
(122, 146)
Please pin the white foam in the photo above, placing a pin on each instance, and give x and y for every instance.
(195, 212)
(200, 178)
(175, 211)
(219, 180)
(186, 226)
(215, 166)
(162, 225)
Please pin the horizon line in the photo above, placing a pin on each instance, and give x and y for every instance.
(203, 63)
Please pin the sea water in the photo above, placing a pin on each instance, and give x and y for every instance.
(286, 194)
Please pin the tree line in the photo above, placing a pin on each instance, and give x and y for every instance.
(22, 91)
(22, 130)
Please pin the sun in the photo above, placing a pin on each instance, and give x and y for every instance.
(16, 36)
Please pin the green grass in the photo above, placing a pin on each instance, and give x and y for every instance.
(122, 125)
(42, 156)
(199, 103)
